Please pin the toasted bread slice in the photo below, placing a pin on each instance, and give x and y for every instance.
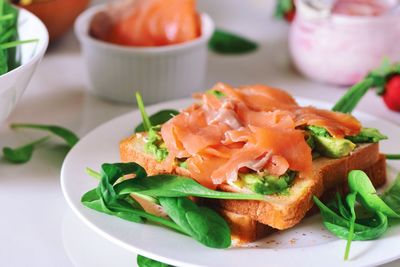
(280, 211)
(245, 230)
(286, 210)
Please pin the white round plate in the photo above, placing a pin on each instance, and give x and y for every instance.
(307, 244)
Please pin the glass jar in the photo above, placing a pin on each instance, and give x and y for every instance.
(341, 49)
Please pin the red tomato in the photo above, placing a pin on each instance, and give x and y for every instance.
(392, 93)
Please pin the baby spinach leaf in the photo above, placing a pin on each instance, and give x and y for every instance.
(146, 121)
(224, 42)
(367, 228)
(69, 137)
(340, 226)
(392, 196)
(142, 261)
(203, 224)
(158, 118)
(165, 185)
(22, 154)
(104, 198)
(360, 183)
(367, 135)
(344, 212)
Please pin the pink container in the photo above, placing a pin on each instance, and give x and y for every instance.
(341, 49)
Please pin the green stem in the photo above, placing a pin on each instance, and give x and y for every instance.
(17, 43)
(93, 173)
(145, 117)
(38, 142)
(349, 101)
(393, 156)
(350, 239)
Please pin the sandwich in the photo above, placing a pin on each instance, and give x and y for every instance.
(257, 139)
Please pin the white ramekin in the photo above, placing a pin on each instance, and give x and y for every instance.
(341, 49)
(159, 73)
(14, 83)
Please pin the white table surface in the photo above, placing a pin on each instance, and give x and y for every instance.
(36, 226)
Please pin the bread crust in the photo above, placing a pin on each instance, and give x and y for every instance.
(277, 211)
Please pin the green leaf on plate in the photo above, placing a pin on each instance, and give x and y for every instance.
(224, 42)
(203, 224)
(142, 261)
(69, 137)
(23, 153)
(167, 185)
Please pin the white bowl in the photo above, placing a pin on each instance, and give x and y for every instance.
(159, 73)
(13, 83)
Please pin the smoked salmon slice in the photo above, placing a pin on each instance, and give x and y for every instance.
(155, 23)
(250, 128)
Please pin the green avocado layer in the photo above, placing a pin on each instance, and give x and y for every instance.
(266, 184)
(155, 145)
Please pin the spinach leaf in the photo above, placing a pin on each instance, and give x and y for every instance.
(340, 226)
(344, 212)
(367, 135)
(158, 118)
(104, 198)
(203, 224)
(142, 261)
(224, 42)
(360, 183)
(146, 121)
(392, 196)
(348, 227)
(166, 185)
(10, 34)
(22, 154)
(69, 137)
